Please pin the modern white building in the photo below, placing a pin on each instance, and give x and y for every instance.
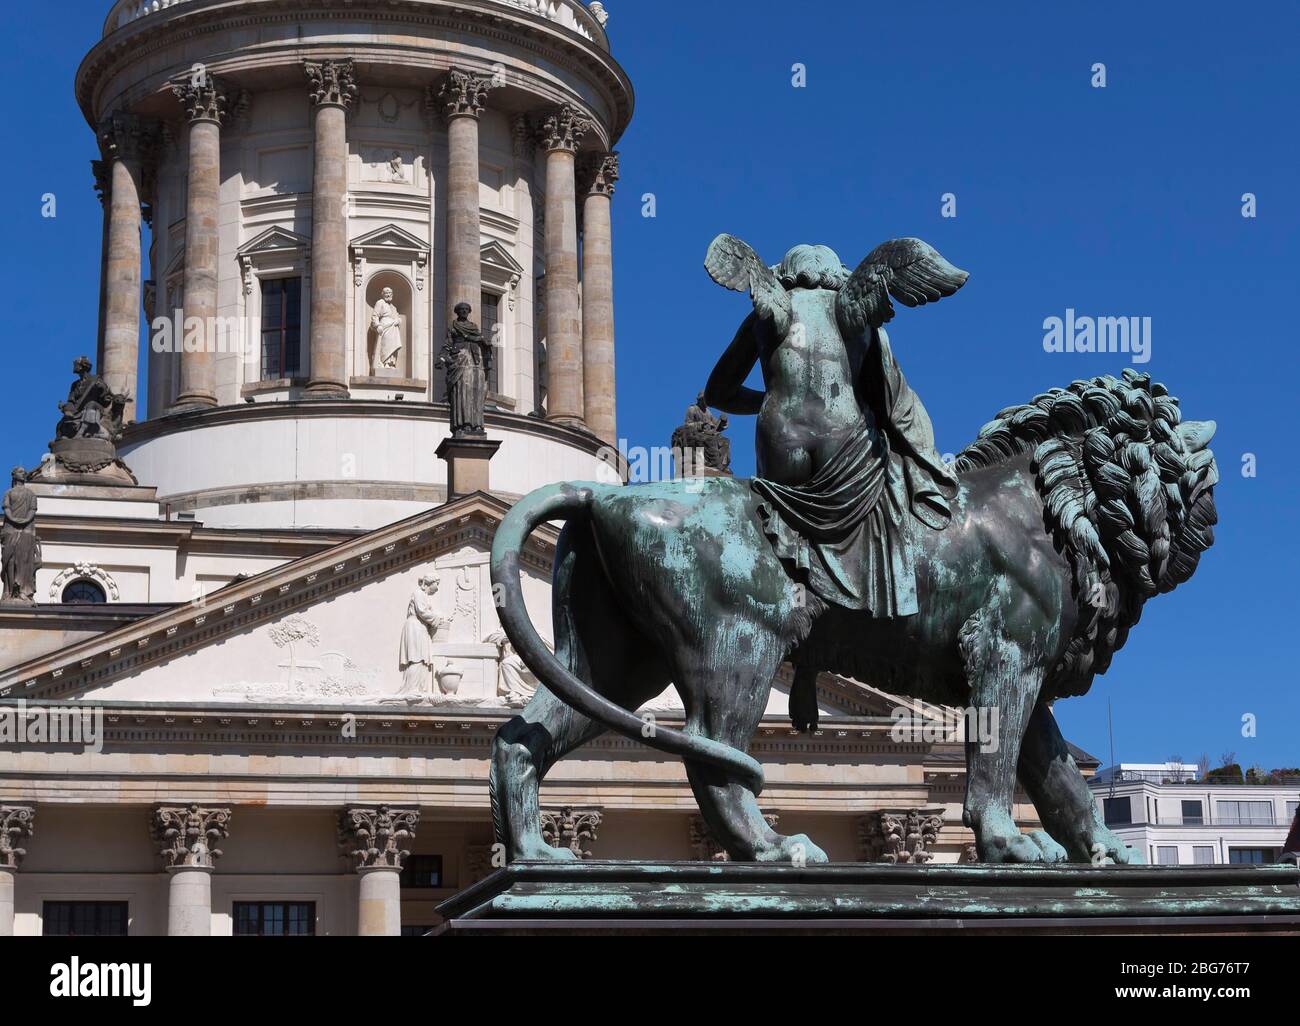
(1195, 822)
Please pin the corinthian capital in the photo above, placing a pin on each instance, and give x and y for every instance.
(332, 83)
(563, 128)
(372, 838)
(600, 172)
(103, 181)
(129, 137)
(570, 828)
(463, 93)
(187, 835)
(203, 97)
(15, 826)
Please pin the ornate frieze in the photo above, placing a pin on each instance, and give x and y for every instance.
(462, 94)
(332, 83)
(562, 129)
(600, 172)
(187, 835)
(900, 836)
(373, 837)
(571, 828)
(16, 822)
(203, 98)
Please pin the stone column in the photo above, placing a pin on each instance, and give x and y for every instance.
(372, 839)
(127, 141)
(204, 101)
(15, 826)
(333, 91)
(461, 98)
(600, 173)
(561, 131)
(103, 172)
(187, 838)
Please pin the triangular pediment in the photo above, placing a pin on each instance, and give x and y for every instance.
(272, 240)
(339, 591)
(390, 237)
(496, 255)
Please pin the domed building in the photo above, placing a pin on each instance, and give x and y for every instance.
(262, 634)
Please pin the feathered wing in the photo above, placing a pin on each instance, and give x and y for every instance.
(910, 270)
(734, 265)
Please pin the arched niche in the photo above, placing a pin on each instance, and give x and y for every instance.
(381, 334)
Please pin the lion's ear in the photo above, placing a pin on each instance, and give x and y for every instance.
(734, 265)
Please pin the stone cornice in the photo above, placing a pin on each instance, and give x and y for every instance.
(268, 597)
(363, 408)
(187, 24)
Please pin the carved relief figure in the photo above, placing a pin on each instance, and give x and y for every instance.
(467, 358)
(20, 549)
(386, 323)
(516, 683)
(415, 657)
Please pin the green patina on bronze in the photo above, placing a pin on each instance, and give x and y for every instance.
(1003, 583)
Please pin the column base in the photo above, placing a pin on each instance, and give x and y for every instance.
(191, 401)
(468, 457)
(326, 390)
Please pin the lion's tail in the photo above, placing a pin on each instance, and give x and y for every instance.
(566, 502)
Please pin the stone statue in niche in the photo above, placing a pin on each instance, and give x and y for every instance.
(415, 656)
(20, 549)
(467, 358)
(386, 323)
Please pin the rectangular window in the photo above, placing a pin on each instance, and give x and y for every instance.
(1167, 855)
(1119, 811)
(491, 328)
(422, 872)
(1203, 855)
(84, 919)
(1250, 856)
(1291, 810)
(1238, 813)
(281, 328)
(1193, 812)
(275, 918)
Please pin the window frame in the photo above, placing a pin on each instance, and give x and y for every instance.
(280, 284)
(286, 918)
(100, 907)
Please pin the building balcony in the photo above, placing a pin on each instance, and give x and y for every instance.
(577, 17)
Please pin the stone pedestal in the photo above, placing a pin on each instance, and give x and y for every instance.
(467, 464)
(584, 898)
(189, 901)
(379, 906)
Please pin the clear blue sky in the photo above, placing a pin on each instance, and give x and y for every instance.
(1117, 201)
